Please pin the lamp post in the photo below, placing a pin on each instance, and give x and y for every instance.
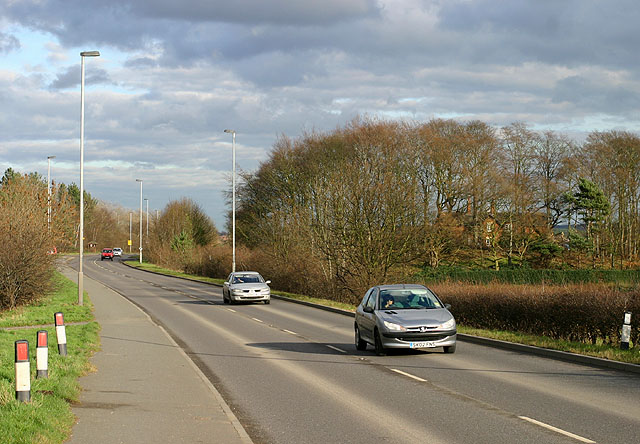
(80, 274)
(233, 200)
(130, 216)
(49, 192)
(140, 180)
(147, 201)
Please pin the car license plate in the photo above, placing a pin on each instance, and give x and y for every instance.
(421, 344)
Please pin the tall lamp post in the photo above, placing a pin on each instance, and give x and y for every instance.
(130, 215)
(140, 180)
(49, 192)
(233, 200)
(80, 274)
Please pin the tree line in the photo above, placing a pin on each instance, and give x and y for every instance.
(29, 236)
(375, 197)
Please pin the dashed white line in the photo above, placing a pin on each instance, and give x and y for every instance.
(257, 320)
(231, 310)
(408, 375)
(557, 430)
(289, 331)
(336, 348)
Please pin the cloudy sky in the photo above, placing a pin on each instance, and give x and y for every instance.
(173, 75)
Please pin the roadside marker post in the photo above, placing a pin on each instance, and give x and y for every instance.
(626, 331)
(42, 354)
(61, 333)
(23, 371)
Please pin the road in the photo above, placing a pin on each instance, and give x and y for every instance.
(292, 375)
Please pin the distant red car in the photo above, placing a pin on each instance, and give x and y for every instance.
(107, 253)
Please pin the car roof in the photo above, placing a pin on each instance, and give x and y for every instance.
(400, 286)
(244, 272)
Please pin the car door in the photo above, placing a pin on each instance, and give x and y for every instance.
(367, 317)
(225, 286)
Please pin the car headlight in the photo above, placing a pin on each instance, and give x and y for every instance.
(451, 323)
(394, 327)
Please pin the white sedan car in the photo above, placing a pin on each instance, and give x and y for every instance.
(246, 286)
(117, 251)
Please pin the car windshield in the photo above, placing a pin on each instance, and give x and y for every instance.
(410, 298)
(247, 279)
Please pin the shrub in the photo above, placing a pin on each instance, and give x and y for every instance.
(25, 266)
(583, 313)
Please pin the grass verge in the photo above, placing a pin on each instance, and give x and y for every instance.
(596, 350)
(47, 418)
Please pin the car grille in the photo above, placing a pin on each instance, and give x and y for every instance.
(423, 337)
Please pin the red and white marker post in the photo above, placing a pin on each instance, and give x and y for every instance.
(61, 334)
(42, 354)
(23, 371)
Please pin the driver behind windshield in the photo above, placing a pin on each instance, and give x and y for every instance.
(408, 299)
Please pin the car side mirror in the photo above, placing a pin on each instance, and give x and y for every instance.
(367, 309)
(267, 282)
(226, 283)
(447, 306)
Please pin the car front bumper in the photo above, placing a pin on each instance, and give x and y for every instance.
(249, 298)
(433, 339)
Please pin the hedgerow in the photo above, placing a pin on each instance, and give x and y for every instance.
(589, 313)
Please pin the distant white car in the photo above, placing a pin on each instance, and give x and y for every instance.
(246, 286)
(117, 251)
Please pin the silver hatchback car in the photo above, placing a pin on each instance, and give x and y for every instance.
(404, 316)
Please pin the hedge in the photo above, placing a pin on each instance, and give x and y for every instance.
(585, 313)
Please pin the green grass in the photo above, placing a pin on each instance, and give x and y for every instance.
(47, 418)
(624, 278)
(596, 350)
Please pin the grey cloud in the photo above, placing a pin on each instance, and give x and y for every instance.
(71, 78)
(8, 43)
(141, 62)
(570, 32)
(258, 11)
(590, 96)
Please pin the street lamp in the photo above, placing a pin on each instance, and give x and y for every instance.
(49, 192)
(130, 215)
(147, 201)
(140, 180)
(80, 274)
(233, 200)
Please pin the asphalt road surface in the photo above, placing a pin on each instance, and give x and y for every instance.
(292, 375)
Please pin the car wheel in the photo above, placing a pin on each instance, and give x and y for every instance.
(360, 344)
(267, 302)
(101, 258)
(450, 349)
(380, 351)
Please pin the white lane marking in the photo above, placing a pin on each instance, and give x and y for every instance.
(257, 320)
(336, 348)
(557, 430)
(289, 331)
(408, 375)
(231, 310)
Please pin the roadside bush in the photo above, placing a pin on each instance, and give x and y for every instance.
(583, 313)
(25, 266)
